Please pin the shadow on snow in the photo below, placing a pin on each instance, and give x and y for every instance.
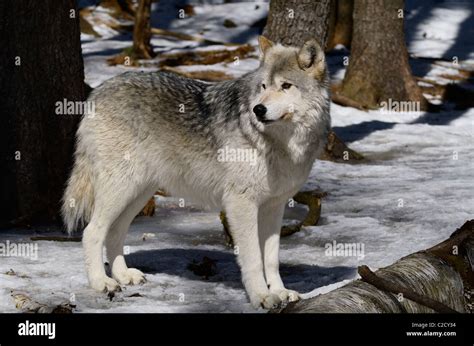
(300, 277)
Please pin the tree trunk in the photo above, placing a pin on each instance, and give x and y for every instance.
(40, 64)
(433, 280)
(293, 22)
(378, 70)
(142, 31)
(340, 31)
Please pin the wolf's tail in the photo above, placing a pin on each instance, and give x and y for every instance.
(78, 199)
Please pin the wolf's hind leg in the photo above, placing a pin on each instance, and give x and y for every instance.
(116, 238)
(269, 226)
(243, 221)
(110, 202)
(93, 242)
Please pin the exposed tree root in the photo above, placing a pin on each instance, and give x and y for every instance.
(336, 150)
(310, 198)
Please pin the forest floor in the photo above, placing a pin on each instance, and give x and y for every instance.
(414, 188)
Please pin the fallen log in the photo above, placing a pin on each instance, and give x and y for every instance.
(206, 57)
(186, 37)
(205, 75)
(439, 279)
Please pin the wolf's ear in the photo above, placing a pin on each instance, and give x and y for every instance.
(264, 43)
(311, 59)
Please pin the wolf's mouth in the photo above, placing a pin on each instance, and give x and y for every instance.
(285, 116)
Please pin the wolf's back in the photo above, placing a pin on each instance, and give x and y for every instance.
(78, 199)
(134, 106)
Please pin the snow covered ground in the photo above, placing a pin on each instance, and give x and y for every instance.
(415, 187)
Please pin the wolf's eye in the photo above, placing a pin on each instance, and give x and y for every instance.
(286, 86)
(264, 86)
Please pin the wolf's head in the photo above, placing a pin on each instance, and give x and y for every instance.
(293, 82)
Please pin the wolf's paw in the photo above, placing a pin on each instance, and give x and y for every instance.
(287, 295)
(131, 276)
(266, 301)
(105, 284)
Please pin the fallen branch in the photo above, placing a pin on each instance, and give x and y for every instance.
(28, 305)
(370, 277)
(426, 80)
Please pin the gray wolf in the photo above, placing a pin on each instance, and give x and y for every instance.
(159, 130)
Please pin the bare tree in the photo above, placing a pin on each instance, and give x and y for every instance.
(378, 69)
(142, 31)
(40, 64)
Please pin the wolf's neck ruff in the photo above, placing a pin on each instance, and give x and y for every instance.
(231, 109)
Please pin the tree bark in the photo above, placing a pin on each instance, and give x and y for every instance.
(40, 64)
(293, 22)
(441, 275)
(142, 31)
(378, 70)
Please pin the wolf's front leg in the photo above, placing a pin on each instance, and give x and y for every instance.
(269, 223)
(242, 216)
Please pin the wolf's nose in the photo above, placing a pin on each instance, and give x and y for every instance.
(260, 111)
